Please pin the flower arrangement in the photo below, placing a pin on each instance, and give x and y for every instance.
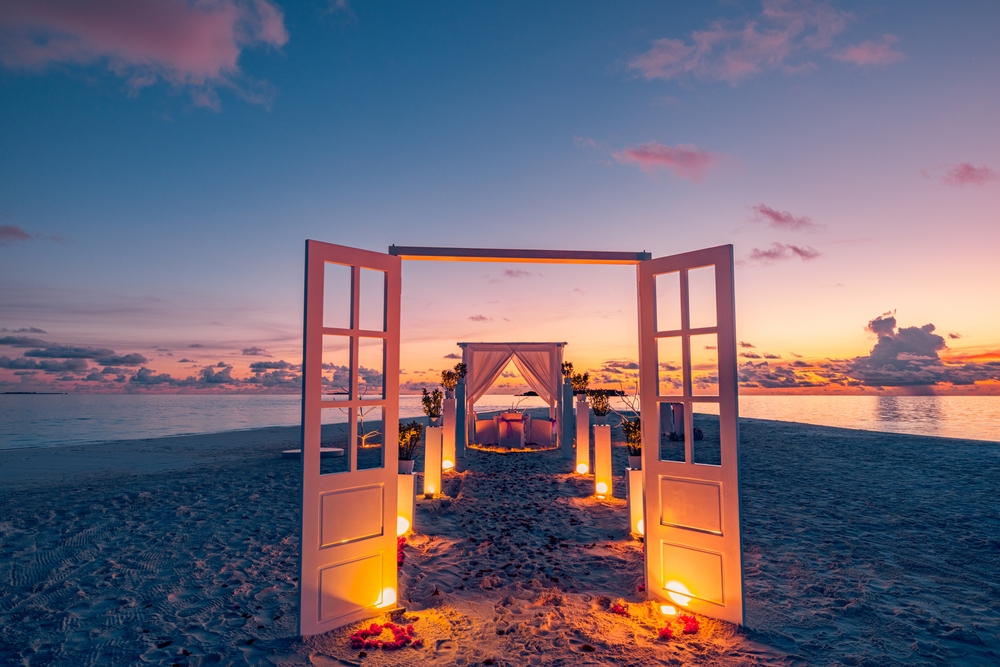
(620, 608)
(579, 382)
(370, 637)
(432, 403)
(409, 440)
(400, 554)
(691, 626)
(599, 402)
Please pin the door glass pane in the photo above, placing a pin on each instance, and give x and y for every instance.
(706, 441)
(336, 368)
(701, 297)
(335, 445)
(336, 296)
(672, 432)
(371, 432)
(372, 306)
(371, 368)
(669, 366)
(705, 365)
(668, 301)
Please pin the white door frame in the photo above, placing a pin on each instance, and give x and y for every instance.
(693, 549)
(348, 531)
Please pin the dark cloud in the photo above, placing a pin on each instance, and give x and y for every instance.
(34, 330)
(954, 336)
(69, 352)
(196, 345)
(48, 365)
(211, 376)
(783, 219)
(517, 273)
(480, 318)
(764, 375)
(749, 355)
(23, 341)
(261, 366)
(11, 234)
(772, 356)
(905, 356)
(746, 344)
(621, 366)
(134, 359)
(452, 356)
(254, 352)
(145, 376)
(782, 251)
(186, 361)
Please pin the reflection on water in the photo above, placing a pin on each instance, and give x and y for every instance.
(926, 412)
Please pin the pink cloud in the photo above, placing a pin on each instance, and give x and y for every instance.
(781, 251)
(682, 160)
(968, 174)
(870, 53)
(10, 234)
(783, 219)
(732, 54)
(194, 45)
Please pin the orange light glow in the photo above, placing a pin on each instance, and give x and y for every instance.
(668, 610)
(388, 597)
(402, 525)
(583, 469)
(640, 527)
(602, 488)
(447, 465)
(678, 592)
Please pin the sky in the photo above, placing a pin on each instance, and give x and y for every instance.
(162, 163)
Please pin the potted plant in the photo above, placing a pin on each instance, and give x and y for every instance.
(632, 427)
(579, 382)
(409, 444)
(433, 405)
(567, 369)
(601, 405)
(633, 441)
(450, 378)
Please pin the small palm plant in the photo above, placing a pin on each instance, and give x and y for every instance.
(432, 403)
(450, 378)
(599, 402)
(409, 440)
(579, 382)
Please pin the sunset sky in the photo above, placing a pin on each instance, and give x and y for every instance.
(162, 162)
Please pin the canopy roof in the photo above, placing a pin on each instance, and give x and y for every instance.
(539, 363)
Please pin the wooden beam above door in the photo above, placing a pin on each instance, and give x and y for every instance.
(517, 255)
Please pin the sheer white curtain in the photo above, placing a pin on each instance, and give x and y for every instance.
(485, 368)
(536, 369)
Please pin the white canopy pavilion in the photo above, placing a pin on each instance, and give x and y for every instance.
(540, 364)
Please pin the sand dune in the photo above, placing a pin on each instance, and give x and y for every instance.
(860, 548)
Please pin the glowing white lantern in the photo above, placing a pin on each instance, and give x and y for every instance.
(602, 460)
(634, 496)
(405, 504)
(432, 461)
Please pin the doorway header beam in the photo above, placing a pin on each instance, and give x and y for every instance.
(517, 255)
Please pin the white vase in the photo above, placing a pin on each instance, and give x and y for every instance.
(635, 462)
(405, 467)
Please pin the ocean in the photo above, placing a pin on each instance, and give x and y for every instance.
(48, 420)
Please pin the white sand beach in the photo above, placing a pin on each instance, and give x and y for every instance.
(860, 548)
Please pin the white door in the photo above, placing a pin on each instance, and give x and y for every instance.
(690, 436)
(350, 409)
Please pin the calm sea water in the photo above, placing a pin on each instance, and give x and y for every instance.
(52, 420)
